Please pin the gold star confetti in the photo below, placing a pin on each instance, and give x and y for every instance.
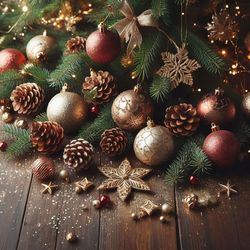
(149, 207)
(228, 189)
(124, 178)
(49, 188)
(178, 67)
(84, 184)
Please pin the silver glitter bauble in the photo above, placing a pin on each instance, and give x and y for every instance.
(246, 105)
(68, 109)
(130, 109)
(154, 144)
(40, 48)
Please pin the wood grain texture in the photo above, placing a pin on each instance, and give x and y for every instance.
(119, 231)
(225, 226)
(15, 181)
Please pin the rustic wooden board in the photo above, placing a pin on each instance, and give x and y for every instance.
(84, 223)
(223, 227)
(15, 181)
(119, 231)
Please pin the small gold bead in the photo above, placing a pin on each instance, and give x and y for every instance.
(78, 190)
(71, 237)
(166, 208)
(163, 219)
(134, 216)
(96, 204)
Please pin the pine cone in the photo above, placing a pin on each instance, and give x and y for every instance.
(27, 98)
(46, 137)
(5, 106)
(75, 44)
(78, 154)
(182, 119)
(102, 84)
(113, 141)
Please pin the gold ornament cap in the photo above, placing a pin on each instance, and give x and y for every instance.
(215, 127)
(102, 27)
(150, 123)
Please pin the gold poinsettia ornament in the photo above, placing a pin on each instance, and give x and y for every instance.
(124, 178)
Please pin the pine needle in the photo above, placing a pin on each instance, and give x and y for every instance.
(160, 89)
(41, 117)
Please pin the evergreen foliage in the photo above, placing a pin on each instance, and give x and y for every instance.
(160, 89)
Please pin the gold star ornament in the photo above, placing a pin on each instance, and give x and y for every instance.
(178, 67)
(84, 184)
(149, 207)
(124, 178)
(228, 189)
(49, 188)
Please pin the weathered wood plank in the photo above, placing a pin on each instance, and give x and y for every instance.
(85, 223)
(15, 178)
(119, 231)
(223, 227)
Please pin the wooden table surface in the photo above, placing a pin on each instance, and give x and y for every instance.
(31, 220)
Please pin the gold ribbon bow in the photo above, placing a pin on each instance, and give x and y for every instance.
(128, 27)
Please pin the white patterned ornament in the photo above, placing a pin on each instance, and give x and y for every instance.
(154, 144)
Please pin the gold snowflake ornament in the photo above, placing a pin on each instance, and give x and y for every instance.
(178, 67)
(124, 178)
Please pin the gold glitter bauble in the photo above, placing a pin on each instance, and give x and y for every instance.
(130, 109)
(68, 109)
(40, 48)
(246, 105)
(153, 145)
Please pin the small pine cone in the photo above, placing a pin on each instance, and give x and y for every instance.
(113, 141)
(27, 98)
(78, 154)
(75, 44)
(46, 137)
(182, 119)
(102, 84)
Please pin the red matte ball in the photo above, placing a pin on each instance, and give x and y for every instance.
(193, 180)
(222, 147)
(103, 46)
(11, 59)
(105, 200)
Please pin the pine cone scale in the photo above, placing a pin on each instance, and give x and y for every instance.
(181, 119)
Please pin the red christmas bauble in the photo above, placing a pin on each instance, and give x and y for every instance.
(103, 46)
(222, 148)
(11, 59)
(3, 146)
(216, 108)
(105, 201)
(193, 180)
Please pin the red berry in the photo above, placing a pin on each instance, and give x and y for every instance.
(95, 110)
(3, 146)
(105, 200)
(193, 180)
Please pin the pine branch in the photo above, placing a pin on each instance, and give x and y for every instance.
(242, 132)
(20, 147)
(41, 117)
(160, 88)
(189, 159)
(13, 132)
(92, 131)
(205, 55)
(71, 65)
(40, 75)
(148, 53)
(8, 81)
(161, 9)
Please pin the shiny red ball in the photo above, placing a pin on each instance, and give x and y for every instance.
(222, 147)
(95, 110)
(105, 200)
(103, 46)
(193, 180)
(11, 59)
(217, 109)
(3, 146)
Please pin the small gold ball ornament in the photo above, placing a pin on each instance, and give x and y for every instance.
(78, 190)
(134, 216)
(166, 208)
(71, 237)
(64, 175)
(246, 105)
(40, 48)
(67, 109)
(154, 144)
(163, 219)
(7, 117)
(96, 204)
(130, 109)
